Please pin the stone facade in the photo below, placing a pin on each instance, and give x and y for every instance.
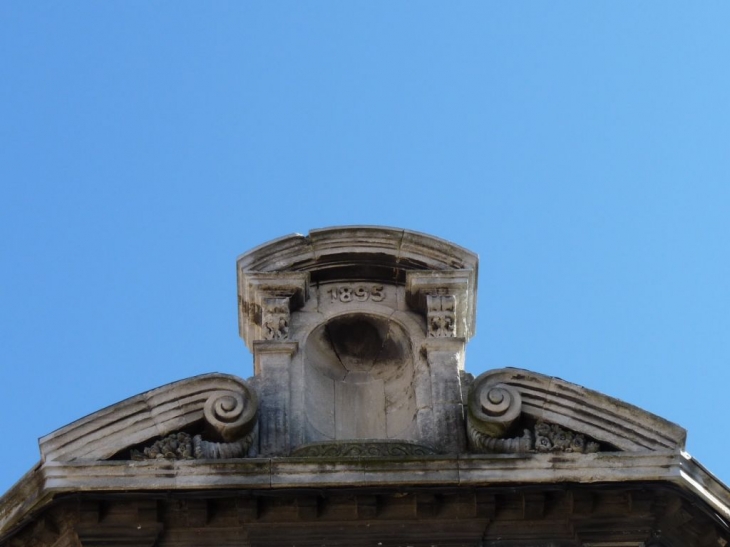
(361, 426)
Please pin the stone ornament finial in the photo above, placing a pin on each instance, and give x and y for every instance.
(358, 333)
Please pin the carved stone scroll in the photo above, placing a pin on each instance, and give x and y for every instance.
(610, 422)
(230, 417)
(493, 408)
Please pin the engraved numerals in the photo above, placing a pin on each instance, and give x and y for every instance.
(357, 293)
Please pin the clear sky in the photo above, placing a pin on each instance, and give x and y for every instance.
(582, 149)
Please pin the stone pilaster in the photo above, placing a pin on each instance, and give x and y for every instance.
(445, 356)
(446, 299)
(272, 366)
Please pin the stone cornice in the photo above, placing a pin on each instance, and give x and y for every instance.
(42, 484)
(338, 245)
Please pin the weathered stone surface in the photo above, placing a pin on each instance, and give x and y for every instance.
(501, 400)
(361, 427)
(145, 417)
(669, 468)
(630, 515)
(362, 449)
(359, 314)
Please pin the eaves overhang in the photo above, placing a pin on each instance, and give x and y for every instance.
(53, 480)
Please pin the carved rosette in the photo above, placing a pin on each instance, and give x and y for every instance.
(231, 431)
(553, 438)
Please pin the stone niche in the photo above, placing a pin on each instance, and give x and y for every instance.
(359, 376)
(358, 337)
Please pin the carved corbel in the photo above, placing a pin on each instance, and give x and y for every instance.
(445, 298)
(441, 315)
(275, 318)
(266, 301)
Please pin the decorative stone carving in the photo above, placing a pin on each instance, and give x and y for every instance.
(266, 300)
(543, 438)
(493, 409)
(612, 423)
(446, 298)
(183, 446)
(275, 320)
(515, 445)
(176, 446)
(553, 438)
(441, 315)
(362, 449)
(230, 417)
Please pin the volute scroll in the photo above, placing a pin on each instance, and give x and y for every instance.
(230, 430)
(557, 416)
(230, 415)
(492, 410)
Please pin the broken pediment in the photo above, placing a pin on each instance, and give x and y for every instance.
(549, 414)
(220, 409)
(358, 336)
(360, 423)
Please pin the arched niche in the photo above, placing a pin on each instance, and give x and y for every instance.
(359, 377)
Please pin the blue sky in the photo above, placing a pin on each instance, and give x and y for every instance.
(580, 148)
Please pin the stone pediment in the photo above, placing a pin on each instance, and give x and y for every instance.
(358, 335)
(215, 416)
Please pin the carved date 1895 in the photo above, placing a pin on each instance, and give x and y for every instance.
(357, 293)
